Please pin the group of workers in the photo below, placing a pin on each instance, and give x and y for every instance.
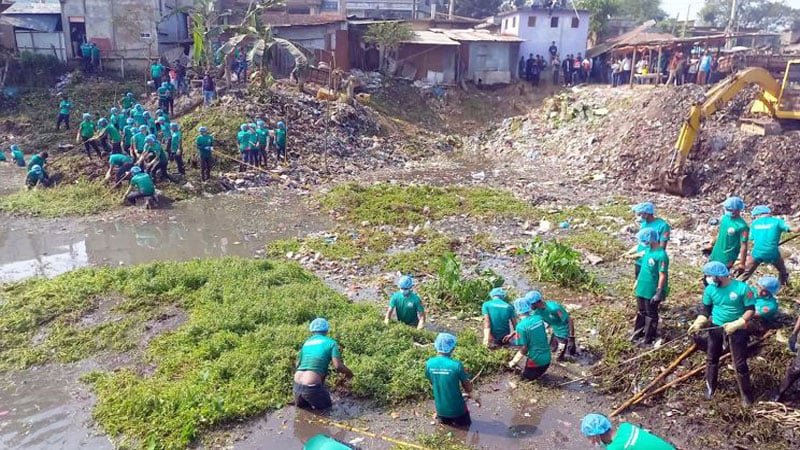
(37, 175)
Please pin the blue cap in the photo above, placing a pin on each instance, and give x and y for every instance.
(129, 121)
(445, 343)
(522, 306)
(405, 282)
(114, 110)
(498, 292)
(14, 147)
(715, 269)
(203, 129)
(260, 123)
(319, 325)
(161, 119)
(533, 297)
(159, 112)
(281, 125)
(173, 125)
(150, 138)
(87, 116)
(595, 425)
(243, 127)
(770, 283)
(129, 94)
(733, 203)
(37, 168)
(760, 209)
(136, 169)
(645, 208)
(146, 114)
(103, 121)
(647, 235)
(143, 128)
(138, 106)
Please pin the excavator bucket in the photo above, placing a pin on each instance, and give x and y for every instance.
(684, 185)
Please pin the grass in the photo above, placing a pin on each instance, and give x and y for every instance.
(597, 242)
(556, 262)
(451, 290)
(79, 198)
(390, 204)
(232, 358)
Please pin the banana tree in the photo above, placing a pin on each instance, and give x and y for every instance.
(263, 43)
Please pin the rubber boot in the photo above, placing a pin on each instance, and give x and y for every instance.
(745, 390)
(638, 327)
(792, 375)
(651, 327)
(712, 373)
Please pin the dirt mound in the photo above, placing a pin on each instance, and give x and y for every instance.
(628, 135)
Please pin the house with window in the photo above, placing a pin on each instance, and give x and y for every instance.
(540, 26)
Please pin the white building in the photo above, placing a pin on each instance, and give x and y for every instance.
(539, 26)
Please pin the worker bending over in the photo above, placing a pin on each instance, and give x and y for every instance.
(143, 184)
(498, 319)
(448, 377)
(406, 304)
(554, 314)
(315, 356)
(627, 436)
(766, 233)
(533, 340)
(729, 245)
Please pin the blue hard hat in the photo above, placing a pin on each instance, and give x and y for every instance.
(595, 425)
(37, 168)
(203, 129)
(733, 203)
(136, 169)
(150, 139)
(498, 292)
(533, 297)
(319, 325)
(86, 116)
(14, 147)
(405, 282)
(281, 125)
(715, 269)
(173, 125)
(103, 121)
(522, 306)
(760, 209)
(647, 235)
(114, 110)
(770, 283)
(445, 343)
(644, 208)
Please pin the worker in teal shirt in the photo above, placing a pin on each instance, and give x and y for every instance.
(766, 303)
(205, 145)
(64, 108)
(645, 214)
(651, 285)
(127, 136)
(533, 340)
(317, 353)
(498, 319)
(36, 176)
(3, 156)
(17, 155)
(554, 314)
(730, 242)
(731, 304)
(448, 377)
(322, 442)
(765, 233)
(627, 436)
(244, 148)
(406, 304)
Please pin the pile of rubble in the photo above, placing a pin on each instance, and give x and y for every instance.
(629, 135)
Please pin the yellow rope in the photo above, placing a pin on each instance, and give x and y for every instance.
(346, 427)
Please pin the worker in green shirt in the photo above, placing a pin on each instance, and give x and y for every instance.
(138, 115)
(109, 132)
(499, 319)
(162, 113)
(322, 442)
(86, 131)
(143, 184)
(317, 353)
(127, 135)
(651, 286)
(163, 96)
(766, 311)
(139, 141)
(793, 371)
(17, 155)
(170, 98)
(155, 73)
(36, 176)
(113, 116)
(533, 340)
(154, 158)
(162, 131)
(121, 163)
(263, 142)
(86, 57)
(244, 149)
(64, 108)
(406, 304)
(3, 156)
(95, 58)
(176, 146)
(627, 436)
(280, 140)
(730, 242)
(150, 122)
(205, 146)
(448, 377)
(765, 233)
(645, 214)
(252, 142)
(127, 101)
(731, 304)
(39, 159)
(554, 314)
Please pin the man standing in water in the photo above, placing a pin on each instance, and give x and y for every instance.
(315, 356)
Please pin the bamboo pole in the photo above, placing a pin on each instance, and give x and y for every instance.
(274, 176)
(633, 67)
(656, 380)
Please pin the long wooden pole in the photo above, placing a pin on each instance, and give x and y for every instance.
(246, 164)
(633, 67)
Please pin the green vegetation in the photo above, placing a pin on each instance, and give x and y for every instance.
(596, 242)
(451, 290)
(233, 357)
(554, 262)
(79, 198)
(390, 204)
(439, 441)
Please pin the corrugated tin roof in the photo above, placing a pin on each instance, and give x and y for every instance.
(430, 38)
(287, 20)
(476, 35)
(34, 8)
(47, 23)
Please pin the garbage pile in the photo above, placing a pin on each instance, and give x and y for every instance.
(599, 133)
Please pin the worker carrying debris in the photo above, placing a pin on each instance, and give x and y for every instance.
(533, 341)
(651, 286)
(731, 304)
(562, 341)
(448, 377)
(626, 436)
(729, 245)
(765, 234)
(317, 353)
(498, 319)
(406, 304)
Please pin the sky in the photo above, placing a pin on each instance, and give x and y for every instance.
(673, 7)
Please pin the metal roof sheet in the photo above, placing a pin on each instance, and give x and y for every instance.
(34, 8)
(47, 23)
(430, 38)
(476, 35)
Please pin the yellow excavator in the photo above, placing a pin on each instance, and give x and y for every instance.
(777, 102)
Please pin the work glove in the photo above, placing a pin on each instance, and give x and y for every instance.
(698, 324)
(486, 337)
(517, 358)
(793, 342)
(732, 327)
(572, 349)
(421, 324)
(657, 297)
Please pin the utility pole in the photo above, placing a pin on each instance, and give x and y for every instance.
(731, 23)
(451, 11)
(686, 22)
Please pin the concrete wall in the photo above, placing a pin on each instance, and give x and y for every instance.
(424, 58)
(539, 36)
(490, 61)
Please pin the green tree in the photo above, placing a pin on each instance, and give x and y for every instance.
(477, 9)
(763, 14)
(599, 13)
(388, 36)
(641, 10)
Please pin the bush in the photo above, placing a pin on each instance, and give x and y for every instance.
(80, 198)
(34, 69)
(450, 289)
(558, 263)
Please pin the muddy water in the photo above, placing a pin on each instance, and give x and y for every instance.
(237, 225)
